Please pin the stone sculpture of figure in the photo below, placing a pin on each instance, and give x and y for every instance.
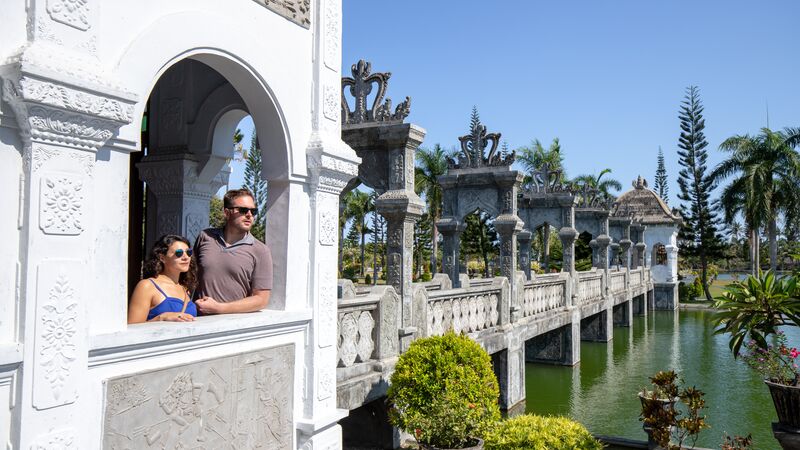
(235, 269)
(170, 274)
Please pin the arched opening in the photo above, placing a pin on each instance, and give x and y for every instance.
(584, 255)
(189, 124)
(659, 255)
(480, 242)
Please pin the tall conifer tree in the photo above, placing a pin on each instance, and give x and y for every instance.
(255, 184)
(698, 236)
(661, 187)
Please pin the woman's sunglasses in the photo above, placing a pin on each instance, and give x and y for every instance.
(179, 252)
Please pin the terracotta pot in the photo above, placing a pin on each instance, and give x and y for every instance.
(787, 403)
(477, 446)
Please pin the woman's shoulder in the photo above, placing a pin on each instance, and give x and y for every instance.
(145, 284)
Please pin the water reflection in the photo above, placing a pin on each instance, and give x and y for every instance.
(601, 392)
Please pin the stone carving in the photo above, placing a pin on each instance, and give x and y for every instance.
(468, 312)
(541, 297)
(327, 307)
(168, 223)
(194, 225)
(57, 126)
(86, 161)
(332, 34)
(125, 395)
(61, 205)
(40, 155)
(360, 87)
(239, 401)
(89, 45)
(75, 100)
(57, 332)
(327, 223)
(365, 345)
(348, 333)
(395, 237)
(298, 11)
(63, 439)
(330, 108)
(43, 31)
(473, 147)
(326, 383)
(171, 119)
(547, 179)
(74, 13)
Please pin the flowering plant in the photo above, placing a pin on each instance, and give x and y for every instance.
(776, 362)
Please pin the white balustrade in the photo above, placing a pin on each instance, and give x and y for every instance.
(463, 310)
(617, 281)
(590, 286)
(541, 295)
(357, 318)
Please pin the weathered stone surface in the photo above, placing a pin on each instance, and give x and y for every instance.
(239, 401)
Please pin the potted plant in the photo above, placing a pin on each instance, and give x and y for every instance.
(444, 392)
(662, 419)
(752, 312)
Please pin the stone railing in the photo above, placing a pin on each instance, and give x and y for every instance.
(544, 293)
(368, 321)
(638, 276)
(617, 281)
(466, 310)
(590, 286)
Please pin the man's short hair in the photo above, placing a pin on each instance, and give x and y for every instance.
(233, 194)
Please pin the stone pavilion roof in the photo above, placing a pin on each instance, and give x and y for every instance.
(644, 205)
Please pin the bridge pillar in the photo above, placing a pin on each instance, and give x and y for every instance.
(509, 367)
(623, 314)
(561, 346)
(524, 245)
(640, 305)
(598, 327)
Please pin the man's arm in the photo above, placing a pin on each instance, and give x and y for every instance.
(255, 302)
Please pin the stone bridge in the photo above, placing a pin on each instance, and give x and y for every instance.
(545, 321)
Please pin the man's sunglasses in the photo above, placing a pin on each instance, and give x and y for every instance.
(242, 210)
(179, 252)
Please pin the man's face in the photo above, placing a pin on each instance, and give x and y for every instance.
(239, 214)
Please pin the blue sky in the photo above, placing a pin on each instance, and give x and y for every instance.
(606, 77)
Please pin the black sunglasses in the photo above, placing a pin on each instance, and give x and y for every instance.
(242, 210)
(179, 252)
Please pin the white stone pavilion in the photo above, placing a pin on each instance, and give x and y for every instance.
(101, 98)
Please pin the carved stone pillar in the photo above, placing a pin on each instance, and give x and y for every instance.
(614, 250)
(625, 255)
(64, 117)
(603, 242)
(639, 255)
(524, 243)
(567, 235)
(402, 209)
(451, 230)
(595, 249)
(545, 247)
(180, 196)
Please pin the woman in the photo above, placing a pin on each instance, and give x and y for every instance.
(169, 274)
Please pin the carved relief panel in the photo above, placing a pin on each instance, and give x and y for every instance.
(59, 345)
(240, 401)
(61, 204)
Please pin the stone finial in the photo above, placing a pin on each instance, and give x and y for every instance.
(640, 183)
(545, 180)
(473, 146)
(360, 87)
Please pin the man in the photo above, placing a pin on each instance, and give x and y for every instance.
(235, 269)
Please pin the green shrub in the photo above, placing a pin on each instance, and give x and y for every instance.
(531, 432)
(367, 279)
(443, 391)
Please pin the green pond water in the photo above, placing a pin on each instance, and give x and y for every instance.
(601, 391)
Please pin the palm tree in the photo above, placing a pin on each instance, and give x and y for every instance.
(431, 164)
(535, 157)
(767, 169)
(597, 189)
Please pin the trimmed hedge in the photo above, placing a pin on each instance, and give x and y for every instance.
(532, 432)
(443, 391)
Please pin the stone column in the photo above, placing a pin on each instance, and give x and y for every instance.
(639, 255)
(625, 247)
(524, 243)
(546, 247)
(451, 230)
(603, 242)
(595, 249)
(65, 118)
(508, 224)
(180, 197)
(614, 253)
(567, 235)
(402, 209)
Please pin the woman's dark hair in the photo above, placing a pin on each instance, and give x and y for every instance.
(153, 265)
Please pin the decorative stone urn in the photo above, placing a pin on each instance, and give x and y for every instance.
(786, 399)
(665, 403)
(477, 446)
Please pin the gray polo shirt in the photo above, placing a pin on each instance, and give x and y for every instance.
(231, 272)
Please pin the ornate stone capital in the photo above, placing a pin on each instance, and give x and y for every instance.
(62, 104)
(169, 175)
(330, 172)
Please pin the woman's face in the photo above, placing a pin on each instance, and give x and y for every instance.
(177, 258)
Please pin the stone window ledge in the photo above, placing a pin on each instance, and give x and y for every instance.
(146, 340)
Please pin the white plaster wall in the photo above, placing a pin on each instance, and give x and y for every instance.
(10, 169)
(7, 402)
(667, 235)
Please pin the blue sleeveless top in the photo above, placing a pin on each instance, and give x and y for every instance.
(170, 304)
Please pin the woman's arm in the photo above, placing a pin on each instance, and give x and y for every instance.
(139, 306)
